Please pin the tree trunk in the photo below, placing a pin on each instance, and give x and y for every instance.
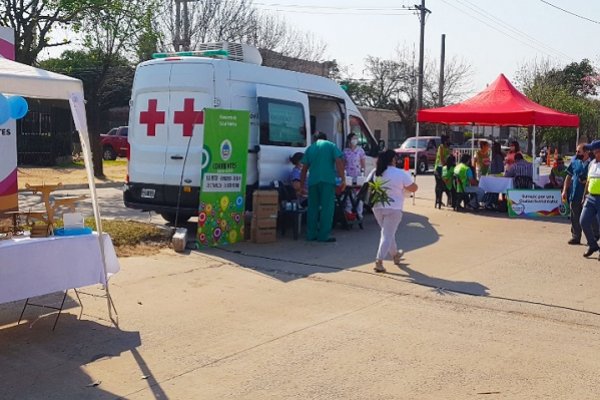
(529, 140)
(93, 116)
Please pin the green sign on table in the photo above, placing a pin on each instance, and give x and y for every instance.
(221, 212)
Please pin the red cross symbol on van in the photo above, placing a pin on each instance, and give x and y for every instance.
(188, 117)
(152, 117)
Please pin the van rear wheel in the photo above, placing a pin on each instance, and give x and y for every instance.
(181, 218)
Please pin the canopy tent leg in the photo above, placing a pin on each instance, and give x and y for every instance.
(577, 140)
(473, 136)
(535, 166)
(416, 161)
(79, 117)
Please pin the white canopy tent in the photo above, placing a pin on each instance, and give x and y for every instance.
(24, 80)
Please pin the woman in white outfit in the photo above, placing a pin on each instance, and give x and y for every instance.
(388, 216)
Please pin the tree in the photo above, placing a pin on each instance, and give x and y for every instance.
(34, 20)
(110, 36)
(567, 89)
(392, 84)
(235, 21)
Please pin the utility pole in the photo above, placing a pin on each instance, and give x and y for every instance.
(423, 11)
(442, 62)
(178, 41)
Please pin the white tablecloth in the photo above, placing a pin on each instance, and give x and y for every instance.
(34, 267)
(495, 184)
(542, 180)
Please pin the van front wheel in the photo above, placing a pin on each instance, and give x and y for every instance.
(181, 218)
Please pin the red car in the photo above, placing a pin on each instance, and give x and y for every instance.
(426, 149)
(114, 143)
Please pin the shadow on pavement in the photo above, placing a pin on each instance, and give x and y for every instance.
(287, 259)
(442, 286)
(37, 363)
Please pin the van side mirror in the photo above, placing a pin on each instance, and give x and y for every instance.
(381, 144)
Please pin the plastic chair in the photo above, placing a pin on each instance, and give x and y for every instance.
(440, 189)
(459, 195)
(287, 194)
(523, 182)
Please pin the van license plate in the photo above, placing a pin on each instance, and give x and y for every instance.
(148, 193)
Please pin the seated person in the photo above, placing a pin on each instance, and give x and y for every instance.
(295, 173)
(448, 172)
(557, 175)
(519, 168)
(467, 182)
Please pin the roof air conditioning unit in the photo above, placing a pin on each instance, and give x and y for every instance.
(237, 51)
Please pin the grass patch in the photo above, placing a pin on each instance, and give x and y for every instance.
(131, 233)
(131, 238)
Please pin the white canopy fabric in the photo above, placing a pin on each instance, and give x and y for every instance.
(24, 80)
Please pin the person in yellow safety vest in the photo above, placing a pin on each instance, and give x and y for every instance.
(591, 205)
(448, 172)
(443, 151)
(466, 181)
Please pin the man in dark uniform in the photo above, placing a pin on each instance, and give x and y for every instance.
(572, 192)
(591, 206)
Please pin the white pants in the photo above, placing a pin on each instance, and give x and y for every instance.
(388, 219)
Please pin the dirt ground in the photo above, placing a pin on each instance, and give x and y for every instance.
(114, 171)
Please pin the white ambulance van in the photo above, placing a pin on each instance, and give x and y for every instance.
(166, 125)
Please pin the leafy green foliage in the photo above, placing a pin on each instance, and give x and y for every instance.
(568, 89)
(379, 194)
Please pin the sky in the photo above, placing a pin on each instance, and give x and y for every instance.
(493, 36)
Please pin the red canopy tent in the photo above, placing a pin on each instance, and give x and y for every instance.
(499, 104)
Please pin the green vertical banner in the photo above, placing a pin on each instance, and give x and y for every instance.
(223, 191)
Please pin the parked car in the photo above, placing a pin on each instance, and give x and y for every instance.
(115, 143)
(424, 146)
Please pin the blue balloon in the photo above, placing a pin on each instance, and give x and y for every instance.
(18, 107)
(4, 109)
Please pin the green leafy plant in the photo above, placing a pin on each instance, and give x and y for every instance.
(379, 193)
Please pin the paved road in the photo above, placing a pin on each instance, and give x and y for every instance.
(482, 307)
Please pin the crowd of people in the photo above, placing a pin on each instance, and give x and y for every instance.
(323, 167)
(464, 176)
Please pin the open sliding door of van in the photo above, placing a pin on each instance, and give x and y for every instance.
(284, 130)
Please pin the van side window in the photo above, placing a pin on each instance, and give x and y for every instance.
(281, 123)
(364, 137)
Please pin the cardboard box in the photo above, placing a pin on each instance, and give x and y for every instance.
(265, 197)
(265, 211)
(266, 235)
(264, 223)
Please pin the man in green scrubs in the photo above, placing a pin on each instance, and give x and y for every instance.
(322, 159)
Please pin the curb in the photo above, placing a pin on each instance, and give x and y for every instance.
(101, 185)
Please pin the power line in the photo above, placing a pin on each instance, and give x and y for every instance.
(331, 7)
(570, 12)
(330, 13)
(506, 25)
(533, 46)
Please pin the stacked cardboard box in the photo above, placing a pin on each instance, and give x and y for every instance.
(265, 205)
